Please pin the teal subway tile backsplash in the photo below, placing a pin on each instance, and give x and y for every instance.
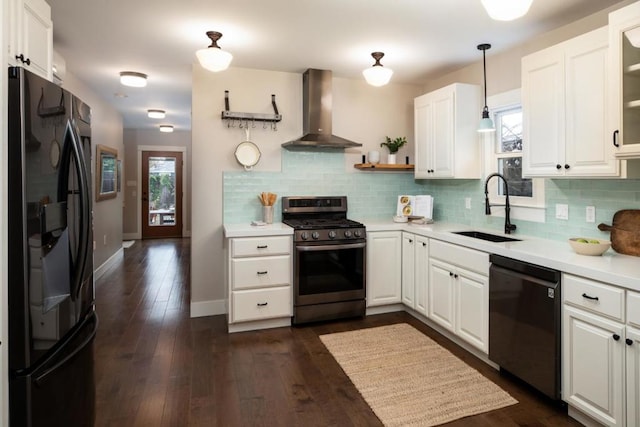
(373, 195)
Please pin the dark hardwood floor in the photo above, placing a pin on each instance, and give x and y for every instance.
(155, 366)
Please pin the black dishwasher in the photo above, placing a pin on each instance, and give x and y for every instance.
(524, 322)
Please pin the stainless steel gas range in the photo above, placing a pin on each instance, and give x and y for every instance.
(329, 280)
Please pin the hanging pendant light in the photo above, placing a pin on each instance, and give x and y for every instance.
(506, 10)
(213, 58)
(486, 124)
(377, 75)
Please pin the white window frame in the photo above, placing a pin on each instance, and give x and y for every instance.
(524, 208)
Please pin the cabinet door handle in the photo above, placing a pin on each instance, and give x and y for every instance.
(410, 241)
(262, 304)
(629, 341)
(616, 337)
(24, 61)
(261, 273)
(450, 274)
(424, 244)
(558, 166)
(590, 297)
(262, 246)
(615, 138)
(455, 276)
(566, 166)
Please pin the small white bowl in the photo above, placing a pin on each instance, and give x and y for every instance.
(398, 218)
(594, 249)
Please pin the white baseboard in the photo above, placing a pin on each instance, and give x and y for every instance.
(130, 236)
(381, 309)
(99, 272)
(582, 418)
(260, 324)
(208, 308)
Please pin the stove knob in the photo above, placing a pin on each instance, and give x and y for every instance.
(304, 235)
(332, 234)
(357, 233)
(315, 235)
(347, 234)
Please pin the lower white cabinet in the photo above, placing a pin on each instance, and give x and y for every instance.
(259, 275)
(600, 353)
(458, 297)
(384, 267)
(415, 271)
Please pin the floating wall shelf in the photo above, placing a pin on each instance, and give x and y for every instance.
(383, 167)
(253, 117)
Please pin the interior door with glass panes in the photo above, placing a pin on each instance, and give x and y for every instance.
(161, 194)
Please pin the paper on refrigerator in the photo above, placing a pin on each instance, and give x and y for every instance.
(421, 205)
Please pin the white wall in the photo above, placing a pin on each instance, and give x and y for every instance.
(361, 113)
(106, 129)
(134, 138)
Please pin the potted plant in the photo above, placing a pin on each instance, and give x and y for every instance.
(393, 146)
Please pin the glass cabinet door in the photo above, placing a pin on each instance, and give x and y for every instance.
(624, 28)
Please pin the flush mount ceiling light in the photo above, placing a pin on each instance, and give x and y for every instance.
(166, 128)
(377, 75)
(506, 10)
(156, 114)
(213, 58)
(486, 124)
(133, 79)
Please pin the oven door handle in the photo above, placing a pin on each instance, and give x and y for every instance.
(330, 247)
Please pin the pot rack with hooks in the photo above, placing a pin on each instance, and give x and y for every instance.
(249, 119)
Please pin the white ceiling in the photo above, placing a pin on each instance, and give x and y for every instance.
(421, 39)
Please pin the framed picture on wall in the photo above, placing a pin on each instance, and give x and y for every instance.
(119, 172)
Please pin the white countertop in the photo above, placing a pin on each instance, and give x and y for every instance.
(611, 267)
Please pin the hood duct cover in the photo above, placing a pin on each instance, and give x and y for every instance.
(316, 111)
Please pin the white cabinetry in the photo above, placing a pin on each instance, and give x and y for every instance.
(31, 36)
(415, 275)
(600, 355)
(565, 103)
(384, 267)
(446, 143)
(260, 277)
(458, 291)
(624, 40)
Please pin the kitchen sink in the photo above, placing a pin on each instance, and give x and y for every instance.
(486, 236)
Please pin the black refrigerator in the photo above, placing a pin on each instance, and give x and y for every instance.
(52, 320)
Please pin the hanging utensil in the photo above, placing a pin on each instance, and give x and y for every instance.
(247, 153)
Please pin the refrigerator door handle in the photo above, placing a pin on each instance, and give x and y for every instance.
(91, 318)
(71, 136)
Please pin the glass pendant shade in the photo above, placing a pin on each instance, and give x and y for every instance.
(213, 58)
(377, 75)
(133, 79)
(506, 10)
(486, 124)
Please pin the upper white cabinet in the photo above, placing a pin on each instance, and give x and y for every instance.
(624, 40)
(565, 100)
(384, 267)
(31, 36)
(445, 131)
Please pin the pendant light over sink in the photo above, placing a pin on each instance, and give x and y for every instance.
(213, 58)
(486, 124)
(377, 75)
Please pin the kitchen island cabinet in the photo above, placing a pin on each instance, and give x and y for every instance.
(384, 268)
(446, 144)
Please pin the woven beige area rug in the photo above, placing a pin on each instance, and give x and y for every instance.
(409, 380)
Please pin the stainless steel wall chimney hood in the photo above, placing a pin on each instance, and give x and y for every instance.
(316, 112)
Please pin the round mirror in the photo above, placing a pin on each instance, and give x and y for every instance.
(247, 154)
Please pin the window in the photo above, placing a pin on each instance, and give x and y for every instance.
(504, 155)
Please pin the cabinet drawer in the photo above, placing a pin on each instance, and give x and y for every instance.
(593, 296)
(633, 308)
(260, 272)
(468, 258)
(259, 304)
(258, 246)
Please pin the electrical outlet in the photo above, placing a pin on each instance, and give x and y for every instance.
(590, 214)
(562, 211)
(467, 202)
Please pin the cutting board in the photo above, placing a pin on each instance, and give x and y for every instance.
(625, 231)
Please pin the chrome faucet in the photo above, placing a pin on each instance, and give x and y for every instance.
(508, 227)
